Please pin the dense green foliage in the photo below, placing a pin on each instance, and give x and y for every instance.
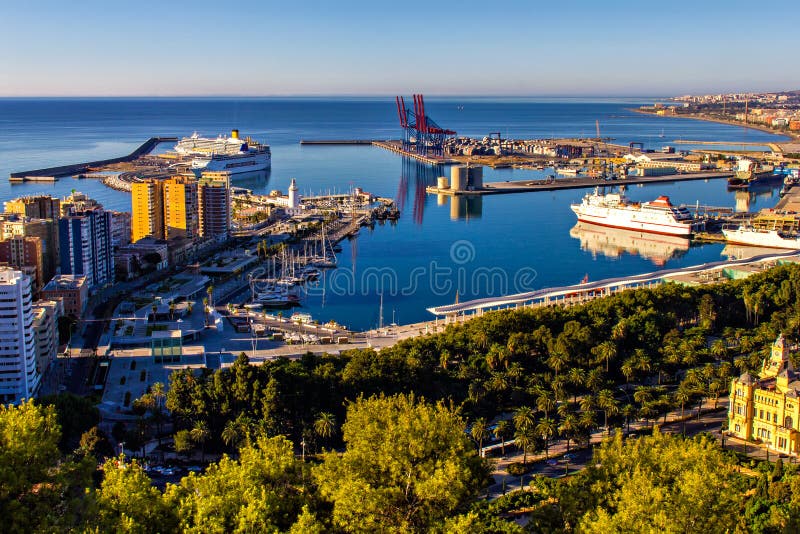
(664, 483)
(407, 466)
(411, 465)
(638, 354)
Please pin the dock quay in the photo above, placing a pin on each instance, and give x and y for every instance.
(51, 174)
(527, 186)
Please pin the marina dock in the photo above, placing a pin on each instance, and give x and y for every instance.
(52, 174)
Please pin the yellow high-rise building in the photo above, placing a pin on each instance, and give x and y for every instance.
(767, 409)
(180, 207)
(147, 210)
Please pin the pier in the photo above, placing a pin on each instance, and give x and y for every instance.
(51, 174)
(393, 146)
(324, 142)
(527, 186)
(397, 148)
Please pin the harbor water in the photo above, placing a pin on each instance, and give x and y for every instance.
(441, 248)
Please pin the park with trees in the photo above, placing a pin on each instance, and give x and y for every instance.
(388, 440)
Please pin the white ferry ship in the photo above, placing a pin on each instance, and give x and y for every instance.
(748, 235)
(229, 154)
(615, 242)
(616, 211)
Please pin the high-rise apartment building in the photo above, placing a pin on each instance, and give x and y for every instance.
(45, 325)
(214, 199)
(180, 207)
(25, 254)
(147, 210)
(120, 228)
(165, 209)
(86, 250)
(35, 207)
(12, 224)
(77, 202)
(18, 376)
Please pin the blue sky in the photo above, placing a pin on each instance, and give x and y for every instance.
(295, 47)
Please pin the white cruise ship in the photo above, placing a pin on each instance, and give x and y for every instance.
(748, 235)
(228, 154)
(616, 211)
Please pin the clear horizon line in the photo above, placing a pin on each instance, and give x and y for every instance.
(336, 95)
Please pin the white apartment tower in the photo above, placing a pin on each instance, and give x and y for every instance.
(19, 378)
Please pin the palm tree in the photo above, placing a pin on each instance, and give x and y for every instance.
(479, 432)
(546, 428)
(577, 378)
(587, 421)
(524, 440)
(647, 412)
(643, 395)
(719, 349)
(230, 434)
(524, 419)
(502, 431)
(200, 435)
(515, 372)
(569, 424)
(628, 369)
(158, 391)
(545, 403)
(594, 379)
(325, 425)
(682, 397)
(609, 405)
(587, 403)
(557, 360)
(608, 351)
(714, 389)
(629, 410)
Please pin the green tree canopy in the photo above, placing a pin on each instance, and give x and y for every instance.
(408, 465)
(262, 491)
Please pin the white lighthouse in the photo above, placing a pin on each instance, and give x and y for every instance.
(294, 198)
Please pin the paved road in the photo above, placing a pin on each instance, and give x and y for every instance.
(579, 458)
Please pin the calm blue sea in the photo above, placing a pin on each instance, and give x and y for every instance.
(480, 247)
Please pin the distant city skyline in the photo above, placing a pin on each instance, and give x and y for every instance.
(357, 48)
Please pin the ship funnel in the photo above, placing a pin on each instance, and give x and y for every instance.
(235, 134)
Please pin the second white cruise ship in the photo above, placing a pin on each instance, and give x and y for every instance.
(228, 154)
(616, 211)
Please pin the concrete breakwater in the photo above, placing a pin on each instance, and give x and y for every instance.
(53, 173)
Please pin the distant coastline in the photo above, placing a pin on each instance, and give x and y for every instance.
(700, 117)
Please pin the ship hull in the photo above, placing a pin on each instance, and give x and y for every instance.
(631, 223)
(233, 164)
(761, 239)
